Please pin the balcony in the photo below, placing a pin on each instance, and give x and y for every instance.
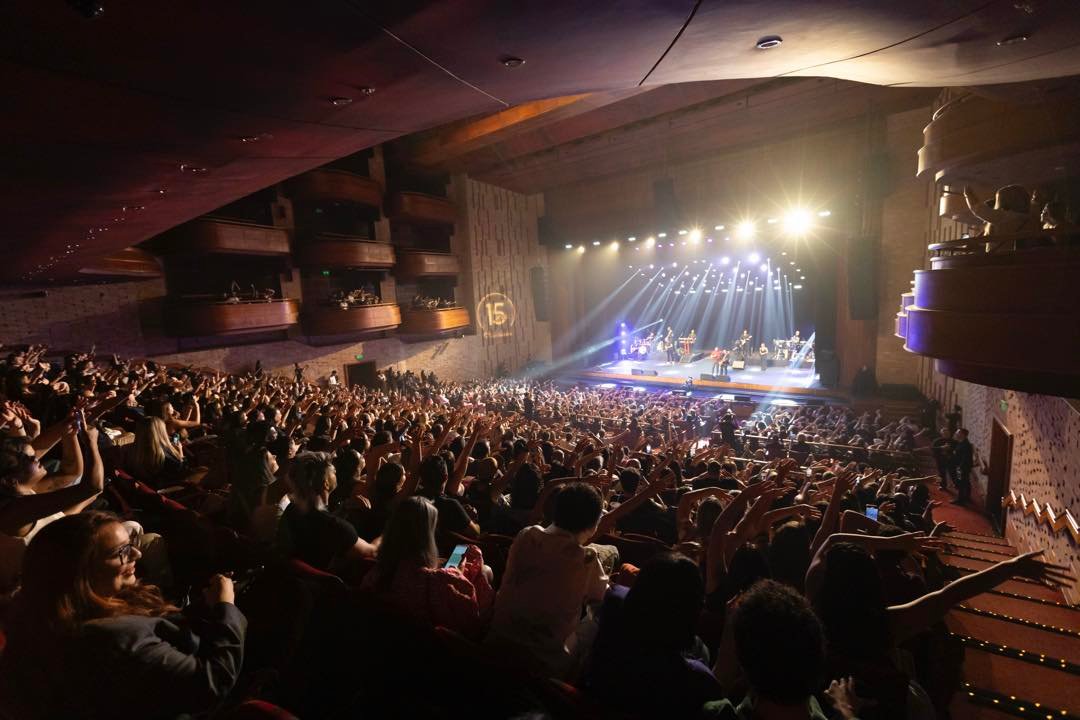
(328, 250)
(418, 264)
(1006, 317)
(332, 320)
(202, 318)
(336, 185)
(129, 262)
(418, 324)
(421, 209)
(974, 140)
(225, 237)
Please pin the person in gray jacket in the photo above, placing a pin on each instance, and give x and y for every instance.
(87, 639)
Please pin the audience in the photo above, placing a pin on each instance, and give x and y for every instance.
(784, 599)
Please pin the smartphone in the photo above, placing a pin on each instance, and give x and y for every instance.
(456, 557)
(871, 512)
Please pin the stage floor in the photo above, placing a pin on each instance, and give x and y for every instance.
(781, 375)
(778, 380)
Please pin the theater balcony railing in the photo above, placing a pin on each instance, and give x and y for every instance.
(414, 264)
(332, 250)
(421, 209)
(326, 320)
(417, 324)
(974, 140)
(129, 262)
(336, 185)
(228, 237)
(1002, 313)
(199, 317)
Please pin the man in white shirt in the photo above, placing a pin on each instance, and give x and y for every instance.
(549, 575)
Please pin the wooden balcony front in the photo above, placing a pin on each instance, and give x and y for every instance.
(336, 185)
(129, 262)
(975, 140)
(417, 264)
(421, 209)
(224, 236)
(431, 323)
(332, 320)
(341, 251)
(188, 318)
(1004, 319)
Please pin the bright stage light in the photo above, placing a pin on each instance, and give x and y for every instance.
(771, 221)
(674, 264)
(595, 243)
(662, 235)
(650, 266)
(758, 289)
(614, 245)
(824, 213)
(745, 230)
(718, 227)
(695, 236)
(802, 277)
(765, 268)
(569, 247)
(650, 241)
(797, 287)
(725, 260)
(682, 232)
(797, 222)
(581, 248)
(709, 240)
(754, 257)
(631, 239)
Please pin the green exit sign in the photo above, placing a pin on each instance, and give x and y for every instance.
(326, 273)
(360, 356)
(1004, 405)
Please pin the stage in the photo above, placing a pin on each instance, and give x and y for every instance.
(779, 380)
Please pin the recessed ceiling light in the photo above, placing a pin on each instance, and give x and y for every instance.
(340, 100)
(769, 41)
(367, 90)
(511, 62)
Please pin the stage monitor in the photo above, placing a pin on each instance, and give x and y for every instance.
(716, 378)
(640, 371)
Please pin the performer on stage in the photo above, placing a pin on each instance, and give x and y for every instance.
(717, 357)
(669, 346)
(763, 354)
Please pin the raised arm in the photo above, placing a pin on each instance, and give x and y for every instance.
(914, 617)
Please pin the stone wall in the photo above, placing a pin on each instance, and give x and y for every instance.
(496, 238)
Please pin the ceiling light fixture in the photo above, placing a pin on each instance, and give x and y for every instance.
(1013, 40)
(339, 100)
(511, 61)
(769, 42)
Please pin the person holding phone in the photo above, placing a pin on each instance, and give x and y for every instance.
(409, 574)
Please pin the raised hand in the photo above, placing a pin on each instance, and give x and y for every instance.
(1031, 566)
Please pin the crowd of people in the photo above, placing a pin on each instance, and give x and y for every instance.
(176, 541)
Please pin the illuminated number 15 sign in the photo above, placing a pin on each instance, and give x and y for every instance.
(496, 315)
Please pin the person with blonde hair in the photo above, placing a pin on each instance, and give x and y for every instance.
(155, 459)
(87, 639)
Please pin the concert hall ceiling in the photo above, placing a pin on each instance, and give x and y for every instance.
(120, 125)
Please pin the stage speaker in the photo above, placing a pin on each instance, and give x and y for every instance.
(862, 278)
(828, 368)
(738, 365)
(538, 279)
(642, 371)
(665, 206)
(716, 378)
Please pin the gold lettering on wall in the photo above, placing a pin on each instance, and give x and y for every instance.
(496, 314)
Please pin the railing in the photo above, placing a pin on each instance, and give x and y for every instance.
(1043, 513)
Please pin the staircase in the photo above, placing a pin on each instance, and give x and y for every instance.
(1022, 641)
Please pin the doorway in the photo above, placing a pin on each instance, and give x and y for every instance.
(362, 373)
(1000, 466)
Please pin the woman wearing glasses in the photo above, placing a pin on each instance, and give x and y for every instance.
(87, 639)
